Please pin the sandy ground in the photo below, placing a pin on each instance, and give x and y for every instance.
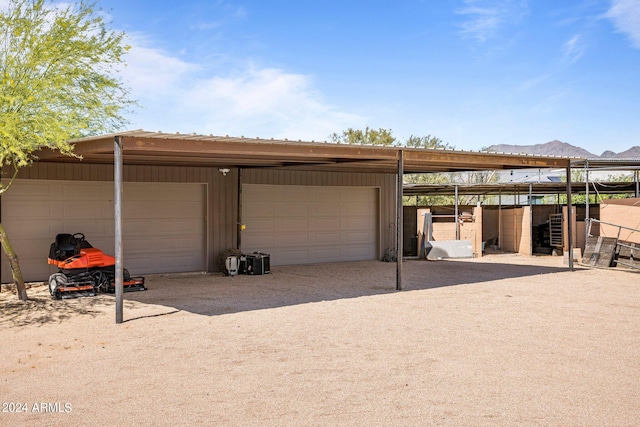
(489, 341)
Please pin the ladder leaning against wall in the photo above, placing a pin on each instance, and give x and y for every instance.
(555, 230)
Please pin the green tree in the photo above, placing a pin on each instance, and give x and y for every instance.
(368, 136)
(57, 82)
(431, 143)
(428, 142)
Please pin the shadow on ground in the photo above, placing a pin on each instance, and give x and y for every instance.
(41, 309)
(215, 294)
(437, 274)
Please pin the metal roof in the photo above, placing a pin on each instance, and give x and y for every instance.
(157, 148)
(627, 164)
(541, 188)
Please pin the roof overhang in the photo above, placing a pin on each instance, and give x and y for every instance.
(534, 188)
(163, 149)
(626, 164)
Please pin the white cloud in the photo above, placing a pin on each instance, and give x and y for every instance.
(533, 83)
(176, 95)
(625, 15)
(150, 72)
(487, 17)
(573, 49)
(223, 8)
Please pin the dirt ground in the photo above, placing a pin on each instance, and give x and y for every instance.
(501, 340)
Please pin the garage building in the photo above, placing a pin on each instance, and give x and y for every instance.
(187, 198)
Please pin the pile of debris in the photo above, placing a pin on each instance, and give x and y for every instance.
(605, 252)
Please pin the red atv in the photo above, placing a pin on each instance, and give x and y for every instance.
(84, 270)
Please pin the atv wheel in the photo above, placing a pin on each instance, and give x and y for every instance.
(100, 281)
(55, 281)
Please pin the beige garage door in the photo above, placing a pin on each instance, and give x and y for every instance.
(163, 224)
(301, 224)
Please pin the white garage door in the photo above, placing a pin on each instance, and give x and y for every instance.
(163, 223)
(302, 225)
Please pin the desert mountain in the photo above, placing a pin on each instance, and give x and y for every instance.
(559, 148)
(631, 153)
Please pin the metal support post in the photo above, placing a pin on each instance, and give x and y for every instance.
(586, 192)
(456, 213)
(117, 183)
(569, 218)
(399, 227)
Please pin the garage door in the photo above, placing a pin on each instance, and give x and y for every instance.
(302, 225)
(163, 223)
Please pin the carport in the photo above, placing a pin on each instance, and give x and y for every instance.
(530, 190)
(237, 156)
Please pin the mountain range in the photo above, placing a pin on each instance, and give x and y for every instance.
(559, 148)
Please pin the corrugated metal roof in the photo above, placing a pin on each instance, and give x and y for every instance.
(600, 163)
(158, 148)
(541, 188)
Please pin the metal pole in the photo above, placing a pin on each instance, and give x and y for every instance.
(239, 222)
(500, 218)
(586, 192)
(569, 218)
(637, 175)
(515, 227)
(117, 183)
(530, 219)
(399, 227)
(456, 214)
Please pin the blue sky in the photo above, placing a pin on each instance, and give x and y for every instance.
(471, 72)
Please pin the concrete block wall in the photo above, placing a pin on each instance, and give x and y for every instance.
(447, 230)
(623, 212)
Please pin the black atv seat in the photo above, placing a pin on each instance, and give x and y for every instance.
(63, 242)
(66, 246)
